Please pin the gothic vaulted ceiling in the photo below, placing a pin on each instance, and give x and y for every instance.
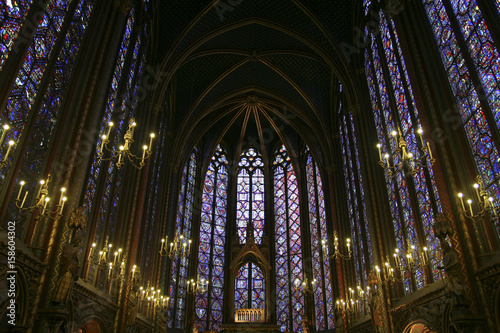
(241, 68)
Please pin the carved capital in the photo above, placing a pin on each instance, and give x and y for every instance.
(394, 7)
(123, 5)
(354, 109)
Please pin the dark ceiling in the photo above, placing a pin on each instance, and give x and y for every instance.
(238, 69)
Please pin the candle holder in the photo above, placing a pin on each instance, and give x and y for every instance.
(151, 299)
(485, 203)
(200, 285)
(414, 259)
(41, 200)
(10, 145)
(123, 151)
(337, 254)
(408, 162)
(307, 286)
(353, 300)
(179, 247)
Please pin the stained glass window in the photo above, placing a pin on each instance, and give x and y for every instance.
(323, 296)
(12, 16)
(358, 220)
(179, 270)
(250, 289)
(386, 73)
(97, 165)
(473, 105)
(288, 245)
(250, 195)
(211, 259)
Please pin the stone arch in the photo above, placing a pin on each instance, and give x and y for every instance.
(418, 326)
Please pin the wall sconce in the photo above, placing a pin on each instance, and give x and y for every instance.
(200, 285)
(337, 254)
(10, 144)
(407, 160)
(124, 151)
(181, 246)
(485, 203)
(307, 286)
(41, 200)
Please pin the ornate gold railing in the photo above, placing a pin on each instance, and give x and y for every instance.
(249, 315)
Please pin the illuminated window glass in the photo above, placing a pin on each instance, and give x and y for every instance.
(250, 291)
(179, 271)
(12, 16)
(250, 195)
(211, 259)
(485, 57)
(386, 72)
(288, 245)
(323, 297)
(361, 240)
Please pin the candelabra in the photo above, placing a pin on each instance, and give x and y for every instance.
(307, 286)
(41, 200)
(151, 298)
(200, 285)
(414, 261)
(407, 160)
(113, 261)
(10, 144)
(337, 254)
(485, 203)
(353, 298)
(180, 246)
(124, 150)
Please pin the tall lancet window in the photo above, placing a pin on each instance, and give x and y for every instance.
(288, 245)
(250, 288)
(413, 199)
(323, 296)
(179, 271)
(208, 305)
(250, 200)
(358, 220)
(471, 61)
(13, 14)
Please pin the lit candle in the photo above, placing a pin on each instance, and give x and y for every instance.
(133, 271)
(120, 155)
(162, 244)
(470, 207)
(461, 195)
(387, 159)
(40, 189)
(379, 151)
(45, 205)
(24, 199)
(109, 130)
(110, 269)
(120, 254)
(91, 251)
(62, 195)
(424, 255)
(476, 186)
(171, 246)
(348, 240)
(490, 199)
(420, 131)
(114, 260)
(11, 143)
(144, 148)
(430, 151)
(63, 202)
(189, 247)
(102, 142)
(20, 189)
(122, 268)
(152, 135)
(5, 129)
